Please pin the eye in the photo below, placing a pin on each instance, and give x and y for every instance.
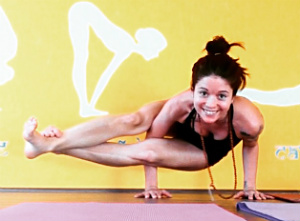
(202, 93)
(222, 96)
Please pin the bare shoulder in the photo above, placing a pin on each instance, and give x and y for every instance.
(247, 119)
(179, 105)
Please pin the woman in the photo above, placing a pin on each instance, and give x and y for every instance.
(204, 124)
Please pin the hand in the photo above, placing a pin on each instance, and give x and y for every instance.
(154, 193)
(252, 195)
(51, 132)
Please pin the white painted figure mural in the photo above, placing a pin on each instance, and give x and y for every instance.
(84, 15)
(8, 48)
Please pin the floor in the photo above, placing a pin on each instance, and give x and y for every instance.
(10, 197)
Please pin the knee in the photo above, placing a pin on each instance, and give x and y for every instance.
(134, 119)
(135, 122)
(141, 120)
(151, 157)
(147, 154)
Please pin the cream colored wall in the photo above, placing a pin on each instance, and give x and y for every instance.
(42, 84)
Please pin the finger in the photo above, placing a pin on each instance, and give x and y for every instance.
(147, 195)
(250, 196)
(257, 196)
(269, 197)
(266, 196)
(153, 194)
(263, 196)
(166, 193)
(139, 195)
(238, 195)
(159, 194)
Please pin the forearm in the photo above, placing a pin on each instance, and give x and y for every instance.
(151, 181)
(250, 159)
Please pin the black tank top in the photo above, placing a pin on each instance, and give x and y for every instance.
(216, 149)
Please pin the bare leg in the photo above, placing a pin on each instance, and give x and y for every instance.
(90, 133)
(160, 152)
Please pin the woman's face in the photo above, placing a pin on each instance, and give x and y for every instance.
(212, 98)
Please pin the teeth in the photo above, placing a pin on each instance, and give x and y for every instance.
(210, 112)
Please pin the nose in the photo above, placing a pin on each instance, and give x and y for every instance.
(211, 102)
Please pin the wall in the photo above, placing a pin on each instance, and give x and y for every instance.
(48, 47)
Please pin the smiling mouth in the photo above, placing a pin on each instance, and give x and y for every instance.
(209, 112)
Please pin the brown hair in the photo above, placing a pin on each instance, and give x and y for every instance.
(218, 62)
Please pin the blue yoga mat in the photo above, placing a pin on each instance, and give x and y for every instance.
(272, 211)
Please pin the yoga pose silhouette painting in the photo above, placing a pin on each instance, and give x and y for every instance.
(8, 48)
(282, 97)
(83, 15)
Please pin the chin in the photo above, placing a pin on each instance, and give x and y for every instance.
(209, 119)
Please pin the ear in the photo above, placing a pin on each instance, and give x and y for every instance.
(192, 93)
(232, 99)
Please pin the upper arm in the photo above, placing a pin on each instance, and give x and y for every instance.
(249, 122)
(174, 109)
(162, 123)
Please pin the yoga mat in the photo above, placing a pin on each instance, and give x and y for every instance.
(272, 211)
(115, 212)
(287, 197)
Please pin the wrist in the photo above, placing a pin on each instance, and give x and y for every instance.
(248, 186)
(151, 187)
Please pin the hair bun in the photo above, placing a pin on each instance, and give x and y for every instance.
(219, 46)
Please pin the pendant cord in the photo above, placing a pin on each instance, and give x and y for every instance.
(233, 161)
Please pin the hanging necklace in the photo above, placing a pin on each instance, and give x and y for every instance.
(212, 185)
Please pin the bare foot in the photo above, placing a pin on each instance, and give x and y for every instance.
(36, 143)
(52, 131)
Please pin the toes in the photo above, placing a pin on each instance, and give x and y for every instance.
(51, 131)
(32, 122)
(29, 127)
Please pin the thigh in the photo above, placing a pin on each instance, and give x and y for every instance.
(139, 121)
(169, 153)
(151, 110)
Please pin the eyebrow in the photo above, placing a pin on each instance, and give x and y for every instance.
(227, 92)
(222, 91)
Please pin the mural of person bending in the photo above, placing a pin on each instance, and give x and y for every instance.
(8, 48)
(283, 97)
(82, 16)
(191, 131)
